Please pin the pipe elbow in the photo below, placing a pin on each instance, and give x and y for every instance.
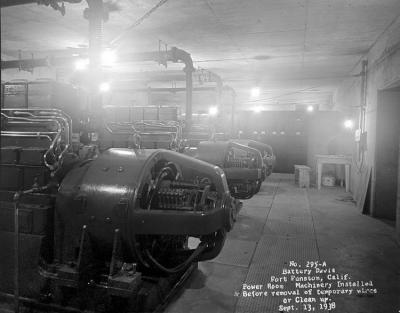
(185, 57)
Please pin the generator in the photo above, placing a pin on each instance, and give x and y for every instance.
(108, 231)
(242, 165)
(267, 153)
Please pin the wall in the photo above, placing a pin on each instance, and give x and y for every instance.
(383, 72)
(285, 131)
(387, 154)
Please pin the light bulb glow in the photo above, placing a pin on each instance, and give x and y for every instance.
(310, 108)
(81, 64)
(104, 87)
(213, 111)
(349, 124)
(108, 57)
(257, 109)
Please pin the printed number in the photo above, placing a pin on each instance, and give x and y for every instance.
(307, 307)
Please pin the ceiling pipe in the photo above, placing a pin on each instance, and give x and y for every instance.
(29, 64)
(162, 57)
(10, 3)
(55, 4)
(161, 89)
(200, 75)
(175, 55)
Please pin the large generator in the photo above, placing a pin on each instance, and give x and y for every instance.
(100, 231)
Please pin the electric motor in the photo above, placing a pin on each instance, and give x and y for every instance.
(152, 197)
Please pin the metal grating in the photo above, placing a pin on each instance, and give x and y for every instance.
(284, 211)
(257, 212)
(276, 249)
(258, 201)
(296, 205)
(272, 254)
(247, 228)
(292, 226)
(236, 252)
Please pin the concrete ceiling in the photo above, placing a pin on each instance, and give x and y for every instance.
(296, 51)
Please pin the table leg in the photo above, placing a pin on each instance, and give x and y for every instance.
(319, 174)
(347, 176)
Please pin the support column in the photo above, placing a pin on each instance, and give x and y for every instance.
(189, 97)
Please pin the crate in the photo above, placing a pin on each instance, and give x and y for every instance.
(302, 176)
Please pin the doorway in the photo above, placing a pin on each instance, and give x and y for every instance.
(386, 204)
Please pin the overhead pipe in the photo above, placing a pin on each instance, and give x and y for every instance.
(173, 75)
(175, 55)
(10, 3)
(52, 3)
(28, 64)
(178, 54)
(162, 89)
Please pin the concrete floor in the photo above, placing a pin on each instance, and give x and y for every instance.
(285, 223)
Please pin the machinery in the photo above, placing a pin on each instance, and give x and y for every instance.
(197, 134)
(242, 165)
(95, 216)
(102, 232)
(157, 134)
(151, 127)
(267, 154)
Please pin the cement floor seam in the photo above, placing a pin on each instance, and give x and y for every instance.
(276, 186)
(313, 224)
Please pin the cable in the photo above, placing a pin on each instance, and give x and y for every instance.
(289, 93)
(201, 247)
(138, 22)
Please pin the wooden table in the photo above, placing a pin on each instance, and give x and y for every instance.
(322, 159)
